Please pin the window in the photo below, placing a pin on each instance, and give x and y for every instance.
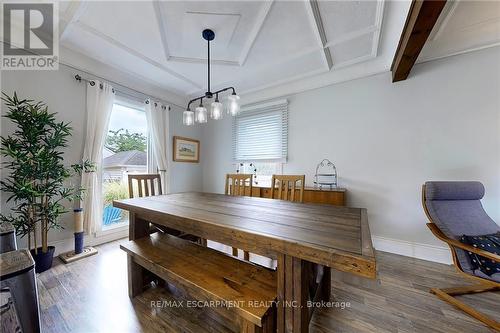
(260, 140)
(125, 151)
(260, 133)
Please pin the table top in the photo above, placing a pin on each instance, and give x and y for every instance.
(6, 228)
(334, 236)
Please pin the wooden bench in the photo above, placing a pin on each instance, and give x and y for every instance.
(241, 289)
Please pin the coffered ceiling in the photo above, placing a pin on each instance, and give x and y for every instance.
(262, 48)
(257, 43)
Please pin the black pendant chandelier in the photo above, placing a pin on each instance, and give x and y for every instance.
(200, 114)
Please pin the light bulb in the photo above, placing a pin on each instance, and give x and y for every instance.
(216, 110)
(233, 107)
(188, 118)
(200, 114)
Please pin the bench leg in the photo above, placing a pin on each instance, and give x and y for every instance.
(135, 277)
(268, 325)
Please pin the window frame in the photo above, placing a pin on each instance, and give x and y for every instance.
(116, 231)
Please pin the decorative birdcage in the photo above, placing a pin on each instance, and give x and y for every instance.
(326, 174)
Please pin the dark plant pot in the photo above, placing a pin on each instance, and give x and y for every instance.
(43, 261)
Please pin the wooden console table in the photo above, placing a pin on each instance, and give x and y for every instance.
(335, 196)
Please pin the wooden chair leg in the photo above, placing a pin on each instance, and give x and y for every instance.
(235, 252)
(446, 295)
(478, 288)
(246, 255)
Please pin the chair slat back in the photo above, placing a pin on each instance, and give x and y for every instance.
(144, 185)
(239, 184)
(286, 187)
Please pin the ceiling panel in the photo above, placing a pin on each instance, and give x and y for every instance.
(463, 26)
(342, 18)
(286, 32)
(233, 23)
(91, 45)
(353, 50)
(132, 24)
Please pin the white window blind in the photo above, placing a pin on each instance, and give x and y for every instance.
(260, 132)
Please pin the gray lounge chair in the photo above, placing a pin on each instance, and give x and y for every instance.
(454, 209)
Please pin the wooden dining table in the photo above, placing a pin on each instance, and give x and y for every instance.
(307, 240)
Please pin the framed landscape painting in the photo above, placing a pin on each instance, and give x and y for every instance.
(186, 150)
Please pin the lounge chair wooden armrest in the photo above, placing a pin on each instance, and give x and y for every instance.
(455, 243)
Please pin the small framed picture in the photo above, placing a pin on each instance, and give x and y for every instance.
(186, 150)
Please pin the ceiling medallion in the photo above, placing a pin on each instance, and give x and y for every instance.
(216, 108)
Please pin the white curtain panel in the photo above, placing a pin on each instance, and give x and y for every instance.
(100, 98)
(158, 124)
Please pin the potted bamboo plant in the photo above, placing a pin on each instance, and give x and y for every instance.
(37, 174)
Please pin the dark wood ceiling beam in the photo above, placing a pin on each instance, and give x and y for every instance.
(421, 19)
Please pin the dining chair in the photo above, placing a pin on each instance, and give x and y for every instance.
(145, 185)
(286, 187)
(454, 211)
(239, 184)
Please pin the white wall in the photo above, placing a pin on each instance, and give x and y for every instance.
(64, 95)
(386, 139)
(184, 176)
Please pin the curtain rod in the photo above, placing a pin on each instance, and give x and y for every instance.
(92, 83)
(120, 85)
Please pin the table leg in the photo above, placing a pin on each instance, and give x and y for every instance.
(293, 294)
(326, 284)
(137, 278)
(138, 227)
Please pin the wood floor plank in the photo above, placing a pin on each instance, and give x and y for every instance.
(90, 296)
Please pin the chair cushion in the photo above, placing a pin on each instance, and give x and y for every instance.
(493, 277)
(489, 243)
(453, 190)
(458, 213)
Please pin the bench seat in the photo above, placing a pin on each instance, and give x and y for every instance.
(205, 274)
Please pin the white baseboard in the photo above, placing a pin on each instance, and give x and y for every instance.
(434, 253)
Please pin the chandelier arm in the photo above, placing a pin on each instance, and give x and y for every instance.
(225, 89)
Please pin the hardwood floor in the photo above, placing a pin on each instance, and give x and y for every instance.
(91, 296)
